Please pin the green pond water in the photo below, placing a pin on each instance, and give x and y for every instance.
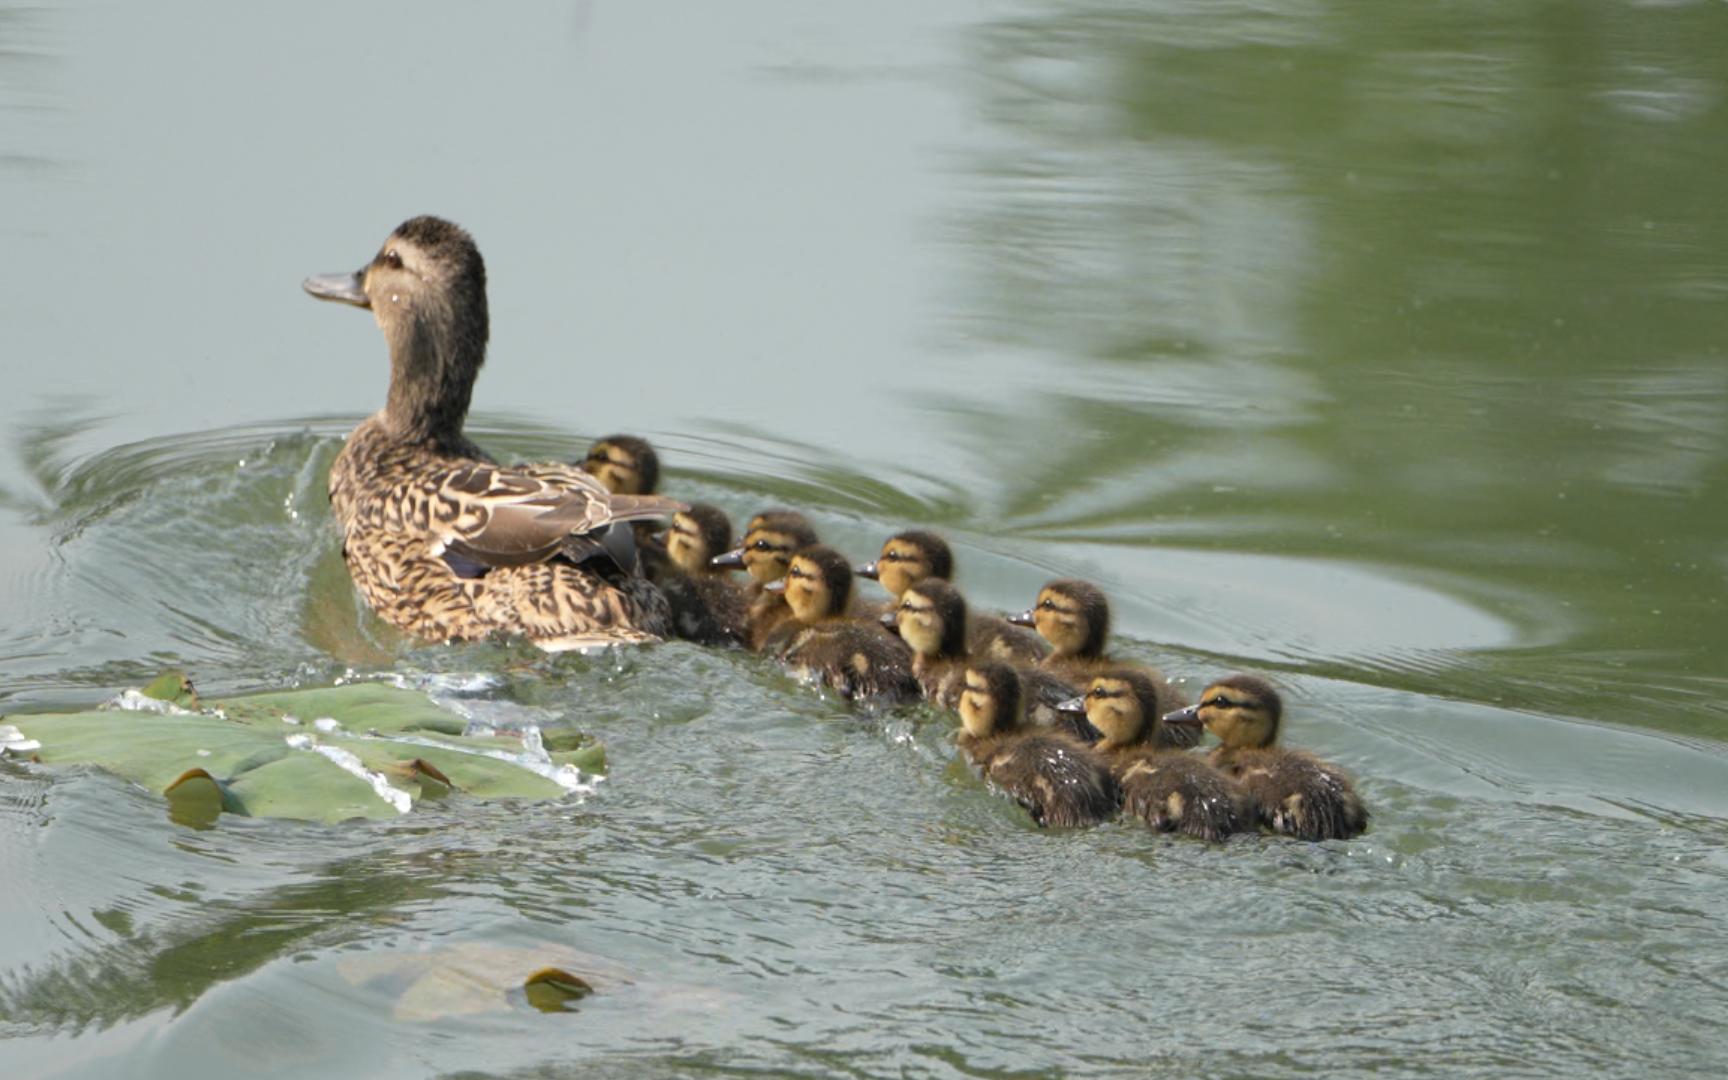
(1375, 347)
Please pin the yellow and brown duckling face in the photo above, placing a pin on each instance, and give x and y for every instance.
(1124, 706)
(1243, 711)
(908, 558)
(1071, 615)
(626, 465)
(931, 617)
(991, 702)
(773, 537)
(817, 585)
(696, 535)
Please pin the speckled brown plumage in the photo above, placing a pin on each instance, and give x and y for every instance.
(1293, 792)
(440, 541)
(1058, 780)
(1164, 786)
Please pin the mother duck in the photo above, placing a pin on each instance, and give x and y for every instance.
(443, 542)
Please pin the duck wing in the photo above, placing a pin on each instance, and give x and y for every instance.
(513, 517)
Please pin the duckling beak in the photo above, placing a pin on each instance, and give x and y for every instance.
(890, 622)
(868, 570)
(778, 585)
(730, 560)
(344, 288)
(1190, 715)
(1074, 706)
(1024, 618)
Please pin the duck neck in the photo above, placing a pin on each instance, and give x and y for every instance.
(433, 362)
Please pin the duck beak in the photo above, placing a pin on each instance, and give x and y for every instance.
(731, 560)
(778, 585)
(1073, 706)
(890, 621)
(1023, 619)
(344, 288)
(868, 570)
(1190, 715)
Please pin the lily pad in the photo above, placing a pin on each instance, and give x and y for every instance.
(362, 750)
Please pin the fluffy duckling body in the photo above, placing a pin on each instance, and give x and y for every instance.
(1293, 792)
(913, 556)
(770, 540)
(708, 607)
(1171, 791)
(442, 542)
(932, 617)
(1074, 617)
(1060, 781)
(853, 656)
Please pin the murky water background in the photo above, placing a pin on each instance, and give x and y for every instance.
(1376, 347)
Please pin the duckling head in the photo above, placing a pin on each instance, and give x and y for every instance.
(1243, 711)
(992, 701)
(627, 465)
(1071, 615)
(1124, 706)
(770, 541)
(818, 584)
(426, 288)
(931, 617)
(908, 558)
(696, 535)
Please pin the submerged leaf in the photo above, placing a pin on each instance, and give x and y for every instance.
(363, 750)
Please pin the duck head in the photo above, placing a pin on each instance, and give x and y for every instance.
(696, 535)
(770, 540)
(992, 701)
(1071, 615)
(426, 288)
(1243, 711)
(931, 617)
(628, 465)
(908, 558)
(818, 584)
(1124, 706)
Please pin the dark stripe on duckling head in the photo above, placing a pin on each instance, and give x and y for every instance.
(948, 605)
(628, 452)
(713, 527)
(1123, 704)
(1091, 606)
(993, 697)
(1246, 693)
(836, 574)
(937, 555)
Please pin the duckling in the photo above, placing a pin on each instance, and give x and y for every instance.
(1167, 789)
(1059, 780)
(440, 540)
(916, 555)
(1074, 618)
(770, 540)
(1292, 792)
(933, 619)
(626, 464)
(707, 606)
(854, 656)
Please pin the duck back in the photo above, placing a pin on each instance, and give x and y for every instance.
(1060, 782)
(1176, 792)
(1295, 793)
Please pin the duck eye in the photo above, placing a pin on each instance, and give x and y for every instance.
(392, 260)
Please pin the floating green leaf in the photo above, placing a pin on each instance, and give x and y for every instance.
(363, 750)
